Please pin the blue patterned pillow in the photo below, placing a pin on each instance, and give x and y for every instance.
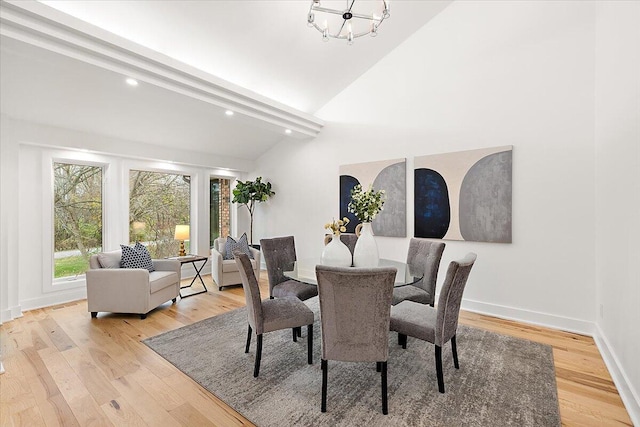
(136, 257)
(242, 245)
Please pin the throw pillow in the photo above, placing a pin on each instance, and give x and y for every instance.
(110, 259)
(242, 245)
(136, 257)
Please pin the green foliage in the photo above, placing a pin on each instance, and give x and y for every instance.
(248, 193)
(70, 266)
(157, 203)
(366, 204)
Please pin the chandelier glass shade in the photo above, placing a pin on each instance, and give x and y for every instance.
(347, 19)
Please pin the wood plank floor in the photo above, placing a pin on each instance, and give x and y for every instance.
(65, 369)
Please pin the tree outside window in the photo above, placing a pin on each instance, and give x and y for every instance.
(77, 217)
(157, 203)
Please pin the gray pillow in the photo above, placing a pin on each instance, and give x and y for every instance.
(231, 245)
(136, 257)
(110, 259)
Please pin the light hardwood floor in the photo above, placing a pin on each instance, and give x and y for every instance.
(64, 368)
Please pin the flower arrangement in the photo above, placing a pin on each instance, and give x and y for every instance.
(366, 204)
(337, 226)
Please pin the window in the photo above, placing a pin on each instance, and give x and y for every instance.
(157, 203)
(219, 199)
(77, 217)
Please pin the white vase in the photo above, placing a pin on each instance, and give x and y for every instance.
(366, 251)
(336, 253)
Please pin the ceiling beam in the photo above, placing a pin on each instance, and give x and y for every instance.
(48, 28)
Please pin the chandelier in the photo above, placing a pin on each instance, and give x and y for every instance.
(349, 22)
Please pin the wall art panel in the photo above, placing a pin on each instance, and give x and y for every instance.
(387, 175)
(464, 195)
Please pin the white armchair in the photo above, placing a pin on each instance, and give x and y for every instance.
(129, 290)
(225, 271)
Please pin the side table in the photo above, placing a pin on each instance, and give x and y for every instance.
(192, 259)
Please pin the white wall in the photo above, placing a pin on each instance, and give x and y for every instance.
(480, 74)
(617, 145)
(27, 152)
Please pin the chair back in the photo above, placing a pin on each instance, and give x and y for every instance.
(279, 255)
(424, 258)
(219, 245)
(355, 307)
(451, 298)
(251, 291)
(349, 239)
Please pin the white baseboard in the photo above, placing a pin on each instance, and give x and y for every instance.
(553, 321)
(629, 395)
(56, 298)
(10, 314)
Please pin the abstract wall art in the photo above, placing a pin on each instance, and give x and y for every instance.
(387, 175)
(464, 195)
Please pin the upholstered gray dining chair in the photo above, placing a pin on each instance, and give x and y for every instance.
(423, 258)
(354, 314)
(272, 314)
(435, 325)
(279, 255)
(349, 239)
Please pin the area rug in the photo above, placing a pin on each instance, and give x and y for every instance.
(501, 381)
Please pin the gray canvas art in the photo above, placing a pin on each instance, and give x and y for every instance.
(464, 195)
(387, 175)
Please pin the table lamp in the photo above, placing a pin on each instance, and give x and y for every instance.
(182, 234)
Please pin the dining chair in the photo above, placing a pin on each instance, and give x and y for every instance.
(354, 314)
(272, 314)
(349, 239)
(435, 325)
(280, 255)
(423, 258)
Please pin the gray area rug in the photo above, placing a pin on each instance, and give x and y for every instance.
(501, 381)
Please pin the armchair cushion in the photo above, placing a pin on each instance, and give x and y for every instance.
(136, 257)
(161, 279)
(110, 259)
(231, 245)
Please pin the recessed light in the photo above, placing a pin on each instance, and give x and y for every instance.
(229, 113)
(287, 131)
(132, 82)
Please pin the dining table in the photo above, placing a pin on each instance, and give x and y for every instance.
(304, 270)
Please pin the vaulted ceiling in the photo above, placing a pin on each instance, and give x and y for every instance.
(257, 58)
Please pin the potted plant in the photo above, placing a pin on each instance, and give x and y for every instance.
(248, 193)
(366, 205)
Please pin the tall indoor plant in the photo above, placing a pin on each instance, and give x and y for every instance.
(248, 193)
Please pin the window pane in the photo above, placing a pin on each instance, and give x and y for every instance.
(219, 218)
(157, 203)
(77, 217)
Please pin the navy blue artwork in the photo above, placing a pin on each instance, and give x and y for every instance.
(431, 204)
(347, 182)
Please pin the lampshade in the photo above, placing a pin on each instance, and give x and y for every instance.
(182, 232)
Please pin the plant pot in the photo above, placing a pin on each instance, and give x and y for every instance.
(336, 253)
(366, 251)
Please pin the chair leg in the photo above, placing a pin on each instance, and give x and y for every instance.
(256, 369)
(385, 408)
(299, 329)
(295, 334)
(246, 349)
(454, 350)
(174, 300)
(324, 367)
(402, 340)
(94, 314)
(310, 344)
(439, 369)
(143, 316)
(378, 366)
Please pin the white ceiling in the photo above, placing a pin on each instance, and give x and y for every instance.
(263, 46)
